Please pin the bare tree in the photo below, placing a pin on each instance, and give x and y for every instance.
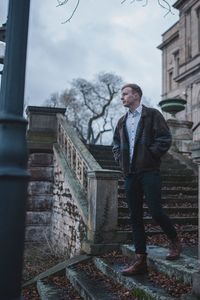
(95, 98)
(89, 105)
(163, 3)
(53, 101)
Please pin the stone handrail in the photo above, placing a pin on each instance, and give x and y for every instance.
(99, 185)
(77, 155)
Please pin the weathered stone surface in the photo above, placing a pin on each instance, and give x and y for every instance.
(102, 204)
(39, 202)
(182, 269)
(35, 218)
(37, 233)
(40, 159)
(196, 283)
(67, 228)
(41, 173)
(146, 289)
(40, 188)
(48, 291)
(43, 118)
(40, 194)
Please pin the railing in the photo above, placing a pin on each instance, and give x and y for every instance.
(78, 157)
(99, 185)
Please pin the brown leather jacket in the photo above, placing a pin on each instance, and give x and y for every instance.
(152, 140)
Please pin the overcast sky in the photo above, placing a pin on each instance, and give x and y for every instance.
(104, 35)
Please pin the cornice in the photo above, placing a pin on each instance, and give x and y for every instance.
(187, 73)
(174, 36)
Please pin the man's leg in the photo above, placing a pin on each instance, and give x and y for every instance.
(134, 199)
(151, 182)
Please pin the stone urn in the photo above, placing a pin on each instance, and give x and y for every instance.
(181, 130)
(172, 105)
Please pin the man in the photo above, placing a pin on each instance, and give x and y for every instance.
(141, 138)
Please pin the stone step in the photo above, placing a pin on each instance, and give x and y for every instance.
(41, 173)
(38, 218)
(179, 184)
(39, 202)
(177, 171)
(169, 199)
(109, 161)
(92, 284)
(36, 233)
(125, 235)
(168, 210)
(177, 191)
(171, 184)
(171, 178)
(140, 286)
(40, 159)
(48, 291)
(175, 219)
(182, 269)
(40, 188)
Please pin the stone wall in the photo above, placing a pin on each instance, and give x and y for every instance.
(67, 227)
(40, 194)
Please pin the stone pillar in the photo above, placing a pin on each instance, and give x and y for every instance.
(102, 205)
(42, 127)
(181, 135)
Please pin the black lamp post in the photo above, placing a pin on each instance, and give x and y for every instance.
(3, 32)
(2, 39)
(13, 152)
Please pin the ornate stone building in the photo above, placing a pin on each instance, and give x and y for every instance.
(181, 61)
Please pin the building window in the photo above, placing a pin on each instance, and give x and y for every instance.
(188, 33)
(198, 27)
(170, 80)
(176, 63)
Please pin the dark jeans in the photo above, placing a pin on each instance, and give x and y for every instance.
(146, 184)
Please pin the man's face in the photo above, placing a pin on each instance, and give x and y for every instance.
(129, 97)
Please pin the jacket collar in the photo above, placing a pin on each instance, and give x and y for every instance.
(144, 113)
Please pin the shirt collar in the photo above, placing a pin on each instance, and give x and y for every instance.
(137, 111)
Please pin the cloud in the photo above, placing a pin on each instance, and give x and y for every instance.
(102, 36)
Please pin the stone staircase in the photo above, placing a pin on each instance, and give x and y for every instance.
(179, 193)
(40, 194)
(100, 278)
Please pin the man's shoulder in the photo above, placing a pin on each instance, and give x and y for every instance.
(121, 119)
(151, 110)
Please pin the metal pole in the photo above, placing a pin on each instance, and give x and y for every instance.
(13, 152)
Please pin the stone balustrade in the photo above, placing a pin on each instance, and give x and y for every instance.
(99, 185)
(78, 157)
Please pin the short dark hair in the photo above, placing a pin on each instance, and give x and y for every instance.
(134, 87)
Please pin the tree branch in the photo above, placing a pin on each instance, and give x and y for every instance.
(164, 5)
(60, 3)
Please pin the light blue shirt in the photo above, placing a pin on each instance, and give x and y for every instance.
(132, 121)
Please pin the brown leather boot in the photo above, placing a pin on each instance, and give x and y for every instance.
(139, 266)
(174, 249)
